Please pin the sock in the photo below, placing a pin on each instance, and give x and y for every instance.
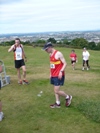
(67, 96)
(58, 102)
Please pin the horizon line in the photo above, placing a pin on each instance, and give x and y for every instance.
(49, 31)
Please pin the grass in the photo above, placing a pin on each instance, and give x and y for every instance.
(25, 112)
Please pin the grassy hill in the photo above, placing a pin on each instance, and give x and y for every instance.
(26, 112)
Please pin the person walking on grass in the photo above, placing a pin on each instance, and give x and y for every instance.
(1, 113)
(19, 57)
(85, 56)
(57, 74)
(73, 58)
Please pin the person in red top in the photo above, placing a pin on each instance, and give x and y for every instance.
(57, 74)
(73, 58)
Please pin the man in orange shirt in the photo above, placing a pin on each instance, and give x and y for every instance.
(57, 74)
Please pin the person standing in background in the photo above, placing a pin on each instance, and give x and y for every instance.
(85, 56)
(73, 58)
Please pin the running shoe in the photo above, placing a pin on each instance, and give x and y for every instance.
(87, 68)
(55, 105)
(20, 82)
(68, 101)
(25, 82)
(83, 69)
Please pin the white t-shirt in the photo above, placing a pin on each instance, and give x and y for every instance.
(85, 55)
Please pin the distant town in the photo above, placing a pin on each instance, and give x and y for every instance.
(90, 36)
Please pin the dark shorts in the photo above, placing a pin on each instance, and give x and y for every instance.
(19, 63)
(73, 61)
(57, 82)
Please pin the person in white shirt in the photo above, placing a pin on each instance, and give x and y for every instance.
(85, 56)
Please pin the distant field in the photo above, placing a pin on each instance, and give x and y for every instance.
(25, 112)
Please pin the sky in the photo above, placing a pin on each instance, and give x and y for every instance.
(29, 16)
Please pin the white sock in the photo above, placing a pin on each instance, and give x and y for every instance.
(58, 102)
(67, 96)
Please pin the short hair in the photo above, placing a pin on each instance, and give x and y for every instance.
(84, 48)
(73, 50)
(17, 39)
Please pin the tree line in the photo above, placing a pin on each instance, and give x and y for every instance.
(75, 43)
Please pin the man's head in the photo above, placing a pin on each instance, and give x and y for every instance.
(47, 47)
(73, 51)
(84, 49)
(17, 41)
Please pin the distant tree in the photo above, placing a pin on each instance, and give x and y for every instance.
(7, 43)
(2, 44)
(79, 42)
(92, 45)
(12, 42)
(98, 46)
(40, 41)
(65, 41)
(25, 43)
(52, 40)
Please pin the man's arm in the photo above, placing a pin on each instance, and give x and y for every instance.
(61, 57)
(70, 56)
(23, 51)
(11, 48)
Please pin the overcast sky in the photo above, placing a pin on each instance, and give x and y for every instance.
(24, 16)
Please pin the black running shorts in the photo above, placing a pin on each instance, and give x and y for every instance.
(19, 63)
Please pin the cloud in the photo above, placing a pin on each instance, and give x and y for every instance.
(28, 15)
(7, 2)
